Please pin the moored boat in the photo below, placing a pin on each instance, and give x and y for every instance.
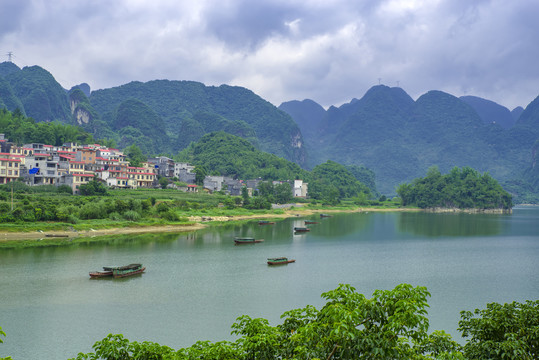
(265, 222)
(301, 229)
(324, 215)
(100, 274)
(310, 222)
(247, 240)
(280, 261)
(124, 271)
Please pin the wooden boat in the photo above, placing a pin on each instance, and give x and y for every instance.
(247, 240)
(100, 274)
(280, 261)
(125, 271)
(310, 222)
(265, 222)
(56, 235)
(301, 229)
(324, 215)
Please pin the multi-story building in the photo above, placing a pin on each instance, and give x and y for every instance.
(165, 166)
(41, 169)
(10, 168)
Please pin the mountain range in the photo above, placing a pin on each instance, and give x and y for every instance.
(385, 130)
(399, 138)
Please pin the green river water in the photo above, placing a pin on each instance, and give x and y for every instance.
(197, 284)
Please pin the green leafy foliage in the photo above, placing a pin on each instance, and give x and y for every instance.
(93, 187)
(460, 188)
(508, 331)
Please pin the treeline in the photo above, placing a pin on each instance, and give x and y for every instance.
(393, 324)
(20, 129)
(220, 153)
(461, 188)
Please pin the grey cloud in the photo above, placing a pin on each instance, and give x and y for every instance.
(330, 51)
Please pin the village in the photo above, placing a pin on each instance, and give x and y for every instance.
(74, 165)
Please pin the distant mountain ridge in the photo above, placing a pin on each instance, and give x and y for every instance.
(399, 138)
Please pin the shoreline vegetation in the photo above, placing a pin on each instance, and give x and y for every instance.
(200, 222)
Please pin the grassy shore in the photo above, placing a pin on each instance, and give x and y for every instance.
(65, 232)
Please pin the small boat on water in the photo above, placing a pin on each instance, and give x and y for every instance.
(280, 261)
(301, 229)
(118, 271)
(310, 222)
(100, 274)
(265, 222)
(56, 235)
(324, 215)
(246, 240)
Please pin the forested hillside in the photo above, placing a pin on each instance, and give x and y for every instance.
(190, 109)
(162, 116)
(399, 138)
(385, 131)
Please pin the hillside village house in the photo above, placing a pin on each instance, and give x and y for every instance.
(75, 165)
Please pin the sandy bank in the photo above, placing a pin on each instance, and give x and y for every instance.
(198, 223)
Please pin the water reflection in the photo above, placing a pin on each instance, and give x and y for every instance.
(459, 224)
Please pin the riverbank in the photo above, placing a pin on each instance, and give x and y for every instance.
(195, 223)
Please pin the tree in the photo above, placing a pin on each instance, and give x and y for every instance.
(163, 182)
(508, 331)
(390, 325)
(283, 193)
(2, 333)
(93, 187)
(134, 155)
(200, 174)
(245, 195)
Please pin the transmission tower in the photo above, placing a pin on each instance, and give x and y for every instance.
(9, 55)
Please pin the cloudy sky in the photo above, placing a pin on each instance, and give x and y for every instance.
(329, 51)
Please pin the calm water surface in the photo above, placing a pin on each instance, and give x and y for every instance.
(197, 284)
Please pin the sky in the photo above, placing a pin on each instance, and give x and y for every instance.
(329, 51)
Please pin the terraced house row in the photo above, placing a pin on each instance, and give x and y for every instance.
(72, 165)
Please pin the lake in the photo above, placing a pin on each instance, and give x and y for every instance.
(197, 284)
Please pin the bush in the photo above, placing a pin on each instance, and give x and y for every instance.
(72, 219)
(170, 215)
(93, 210)
(162, 207)
(131, 215)
(64, 189)
(115, 216)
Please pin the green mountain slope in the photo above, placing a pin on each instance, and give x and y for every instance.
(43, 98)
(490, 112)
(181, 104)
(399, 138)
(226, 154)
(8, 99)
(7, 68)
